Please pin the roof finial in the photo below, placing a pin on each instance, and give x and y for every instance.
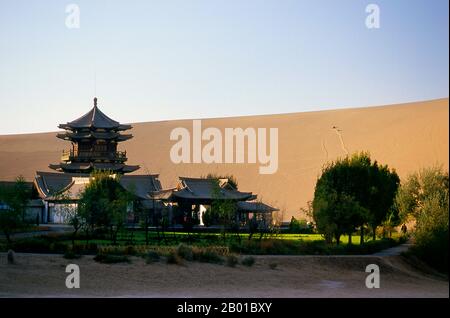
(95, 101)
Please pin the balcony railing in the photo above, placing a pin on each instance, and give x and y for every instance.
(70, 155)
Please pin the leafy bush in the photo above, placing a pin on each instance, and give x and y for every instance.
(264, 247)
(173, 258)
(248, 261)
(232, 261)
(425, 198)
(299, 226)
(32, 245)
(291, 247)
(207, 256)
(111, 259)
(152, 257)
(58, 247)
(70, 254)
(185, 251)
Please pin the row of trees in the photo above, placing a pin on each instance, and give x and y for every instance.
(354, 193)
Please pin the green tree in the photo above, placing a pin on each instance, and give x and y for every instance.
(353, 192)
(225, 210)
(103, 204)
(210, 217)
(424, 197)
(16, 199)
(383, 186)
(69, 213)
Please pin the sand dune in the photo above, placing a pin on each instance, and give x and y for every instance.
(405, 136)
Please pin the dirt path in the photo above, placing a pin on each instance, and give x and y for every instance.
(394, 251)
(37, 275)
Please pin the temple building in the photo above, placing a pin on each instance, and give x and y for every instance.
(94, 138)
(194, 196)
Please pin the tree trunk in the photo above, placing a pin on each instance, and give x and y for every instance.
(338, 238)
(350, 239)
(87, 236)
(74, 234)
(132, 236)
(146, 231)
(8, 237)
(374, 233)
(361, 240)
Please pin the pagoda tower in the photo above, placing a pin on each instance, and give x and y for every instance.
(94, 138)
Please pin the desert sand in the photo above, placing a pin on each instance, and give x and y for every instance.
(407, 137)
(38, 275)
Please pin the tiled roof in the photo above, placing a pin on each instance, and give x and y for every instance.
(208, 189)
(49, 183)
(95, 118)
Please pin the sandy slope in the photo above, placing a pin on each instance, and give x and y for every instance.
(406, 136)
(37, 275)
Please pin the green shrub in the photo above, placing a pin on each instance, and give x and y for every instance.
(299, 226)
(425, 197)
(58, 247)
(152, 257)
(173, 258)
(91, 248)
(248, 261)
(267, 247)
(130, 250)
(32, 245)
(111, 259)
(70, 254)
(207, 256)
(185, 251)
(232, 261)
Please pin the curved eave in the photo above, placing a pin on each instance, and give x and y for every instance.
(61, 167)
(124, 137)
(94, 135)
(191, 196)
(127, 169)
(56, 167)
(124, 127)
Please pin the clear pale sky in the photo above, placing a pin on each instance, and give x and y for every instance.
(160, 60)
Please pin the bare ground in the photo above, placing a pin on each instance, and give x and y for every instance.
(37, 275)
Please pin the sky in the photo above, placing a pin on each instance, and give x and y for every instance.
(177, 59)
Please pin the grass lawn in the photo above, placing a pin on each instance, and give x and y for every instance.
(129, 242)
(173, 238)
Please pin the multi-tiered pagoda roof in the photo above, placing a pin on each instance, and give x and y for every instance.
(94, 138)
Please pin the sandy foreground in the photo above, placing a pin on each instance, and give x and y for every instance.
(37, 275)
(407, 137)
